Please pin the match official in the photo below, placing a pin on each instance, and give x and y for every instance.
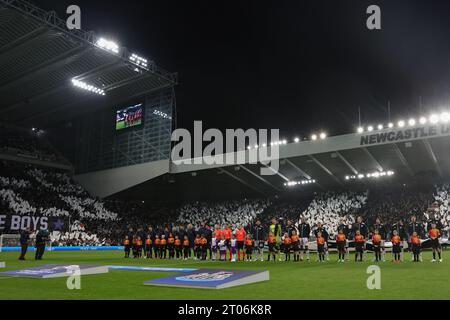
(24, 242)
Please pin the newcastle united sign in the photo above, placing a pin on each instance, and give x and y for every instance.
(405, 134)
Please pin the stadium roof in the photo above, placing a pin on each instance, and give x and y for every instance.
(418, 155)
(39, 57)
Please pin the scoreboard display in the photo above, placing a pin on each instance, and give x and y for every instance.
(130, 116)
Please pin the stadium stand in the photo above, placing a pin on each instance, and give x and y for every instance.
(233, 213)
(102, 222)
(27, 144)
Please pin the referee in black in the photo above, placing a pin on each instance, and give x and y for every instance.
(24, 242)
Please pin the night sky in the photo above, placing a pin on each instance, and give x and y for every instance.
(299, 66)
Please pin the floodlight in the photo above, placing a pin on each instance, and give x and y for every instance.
(87, 87)
(434, 118)
(445, 117)
(108, 45)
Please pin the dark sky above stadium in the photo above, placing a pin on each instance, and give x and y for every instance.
(300, 66)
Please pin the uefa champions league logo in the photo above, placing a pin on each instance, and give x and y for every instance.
(205, 277)
(44, 270)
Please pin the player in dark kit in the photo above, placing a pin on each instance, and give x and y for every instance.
(344, 228)
(376, 242)
(203, 247)
(287, 246)
(402, 232)
(341, 242)
(304, 230)
(360, 243)
(396, 246)
(360, 226)
(259, 236)
(148, 247)
(156, 246)
(186, 247)
(171, 246)
(163, 247)
(178, 248)
(320, 239)
(415, 247)
(382, 231)
(273, 247)
(249, 246)
(295, 243)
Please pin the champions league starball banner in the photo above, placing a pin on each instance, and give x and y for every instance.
(54, 271)
(211, 279)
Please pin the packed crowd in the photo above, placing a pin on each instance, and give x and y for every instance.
(330, 208)
(31, 191)
(233, 213)
(28, 190)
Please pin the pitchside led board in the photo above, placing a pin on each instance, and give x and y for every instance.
(129, 116)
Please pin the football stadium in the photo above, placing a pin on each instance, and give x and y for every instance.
(109, 191)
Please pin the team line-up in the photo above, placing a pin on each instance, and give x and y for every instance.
(240, 245)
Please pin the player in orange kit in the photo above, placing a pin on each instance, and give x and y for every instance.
(396, 246)
(376, 242)
(295, 243)
(341, 242)
(360, 243)
(320, 247)
(434, 235)
(415, 246)
(240, 238)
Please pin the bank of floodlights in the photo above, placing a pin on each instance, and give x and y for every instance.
(444, 117)
(85, 86)
(139, 61)
(301, 182)
(371, 175)
(108, 45)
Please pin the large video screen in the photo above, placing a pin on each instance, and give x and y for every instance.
(130, 116)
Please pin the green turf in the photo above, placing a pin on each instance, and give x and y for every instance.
(288, 280)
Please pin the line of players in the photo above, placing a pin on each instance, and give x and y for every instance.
(294, 240)
(400, 235)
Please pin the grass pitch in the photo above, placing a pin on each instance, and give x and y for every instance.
(288, 280)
